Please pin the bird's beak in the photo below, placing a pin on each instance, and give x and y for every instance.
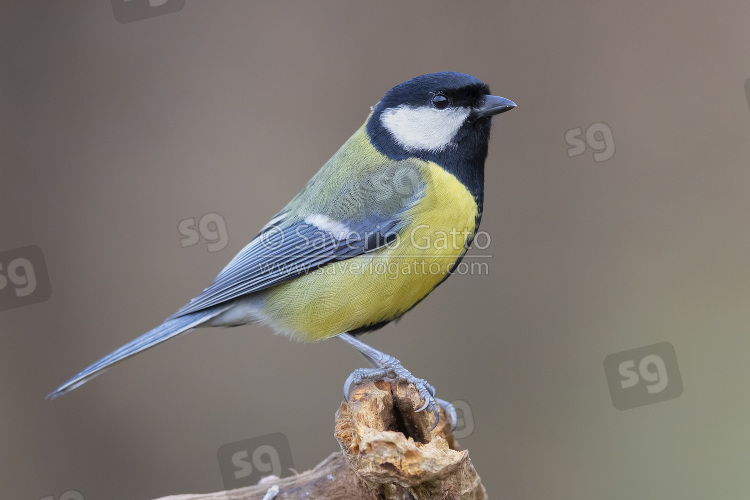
(494, 105)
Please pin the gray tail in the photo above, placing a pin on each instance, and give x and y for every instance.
(167, 330)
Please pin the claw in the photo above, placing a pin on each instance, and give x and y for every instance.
(348, 385)
(436, 414)
(361, 374)
(425, 405)
(450, 413)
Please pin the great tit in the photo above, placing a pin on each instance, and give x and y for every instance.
(384, 222)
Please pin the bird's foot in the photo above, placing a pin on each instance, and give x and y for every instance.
(450, 412)
(392, 368)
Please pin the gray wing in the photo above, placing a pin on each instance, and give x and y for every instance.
(284, 251)
(332, 219)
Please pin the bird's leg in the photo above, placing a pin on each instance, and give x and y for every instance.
(388, 366)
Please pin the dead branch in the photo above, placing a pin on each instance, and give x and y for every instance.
(387, 452)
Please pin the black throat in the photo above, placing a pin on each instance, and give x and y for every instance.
(465, 159)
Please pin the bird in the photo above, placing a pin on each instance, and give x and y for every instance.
(384, 222)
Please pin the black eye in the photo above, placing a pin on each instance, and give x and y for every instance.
(440, 101)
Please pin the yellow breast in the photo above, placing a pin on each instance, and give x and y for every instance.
(383, 284)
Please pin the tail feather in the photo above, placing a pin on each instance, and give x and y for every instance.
(167, 330)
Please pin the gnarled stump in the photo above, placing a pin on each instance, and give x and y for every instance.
(387, 452)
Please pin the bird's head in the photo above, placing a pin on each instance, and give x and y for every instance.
(439, 116)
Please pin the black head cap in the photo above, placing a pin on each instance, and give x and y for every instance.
(462, 89)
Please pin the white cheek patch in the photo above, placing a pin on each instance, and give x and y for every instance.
(423, 128)
(339, 230)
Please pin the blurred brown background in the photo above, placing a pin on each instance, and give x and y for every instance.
(112, 133)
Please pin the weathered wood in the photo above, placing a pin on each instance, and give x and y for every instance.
(387, 452)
